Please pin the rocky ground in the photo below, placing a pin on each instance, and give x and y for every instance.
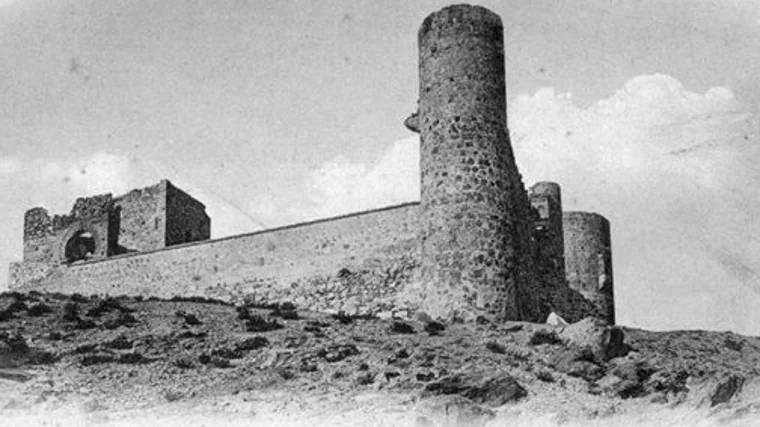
(75, 360)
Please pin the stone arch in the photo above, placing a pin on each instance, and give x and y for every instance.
(78, 243)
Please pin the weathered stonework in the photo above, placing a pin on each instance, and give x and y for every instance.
(102, 226)
(477, 243)
(468, 224)
(588, 259)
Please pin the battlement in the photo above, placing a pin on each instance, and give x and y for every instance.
(477, 243)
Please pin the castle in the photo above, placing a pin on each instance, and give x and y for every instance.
(476, 244)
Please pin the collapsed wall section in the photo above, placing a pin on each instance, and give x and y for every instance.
(468, 225)
(359, 263)
(548, 251)
(588, 260)
(89, 231)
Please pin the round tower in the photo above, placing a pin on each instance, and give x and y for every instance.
(588, 259)
(546, 200)
(467, 168)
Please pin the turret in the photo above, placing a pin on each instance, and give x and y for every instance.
(469, 262)
(588, 259)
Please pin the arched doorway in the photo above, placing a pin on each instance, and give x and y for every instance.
(81, 246)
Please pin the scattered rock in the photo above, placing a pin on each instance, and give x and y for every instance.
(577, 363)
(480, 388)
(336, 353)
(727, 389)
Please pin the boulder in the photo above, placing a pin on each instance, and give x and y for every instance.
(491, 390)
(605, 342)
(555, 319)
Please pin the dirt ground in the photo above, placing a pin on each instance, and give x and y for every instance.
(76, 360)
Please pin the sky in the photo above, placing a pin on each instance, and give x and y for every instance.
(275, 112)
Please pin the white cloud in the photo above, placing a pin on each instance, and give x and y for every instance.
(340, 186)
(675, 173)
(672, 169)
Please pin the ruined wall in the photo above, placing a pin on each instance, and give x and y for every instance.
(588, 259)
(357, 263)
(468, 227)
(142, 219)
(50, 239)
(186, 218)
(546, 200)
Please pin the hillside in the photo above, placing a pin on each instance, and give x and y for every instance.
(74, 360)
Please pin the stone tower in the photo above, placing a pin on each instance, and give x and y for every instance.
(588, 259)
(546, 199)
(469, 262)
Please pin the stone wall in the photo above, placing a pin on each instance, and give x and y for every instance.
(360, 263)
(47, 238)
(546, 200)
(588, 259)
(142, 218)
(469, 259)
(186, 219)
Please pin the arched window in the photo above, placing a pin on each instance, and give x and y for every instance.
(81, 246)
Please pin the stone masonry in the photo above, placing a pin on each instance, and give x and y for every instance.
(477, 243)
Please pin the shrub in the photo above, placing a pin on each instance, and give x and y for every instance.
(254, 343)
(542, 336)
(39, 309)
(434, 328)
(545, 376)
(97, 359)
(366, 378)
(495, 347)
(183, 363)
(343, 318)
(257, 323)
(71, 312)
(399, 327)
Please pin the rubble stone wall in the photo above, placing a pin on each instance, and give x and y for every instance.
(142, 219)
(588, 259)
(469, 259)
(186, 218)
(360, 263)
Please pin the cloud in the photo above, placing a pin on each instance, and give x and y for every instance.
(675, 173)
(340, 186)
(672, 169)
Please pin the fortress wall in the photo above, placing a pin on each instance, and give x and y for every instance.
(588, 259)
(186, 219)
(45, 237)
(468, 221)
(356, 263)
(142, 219)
